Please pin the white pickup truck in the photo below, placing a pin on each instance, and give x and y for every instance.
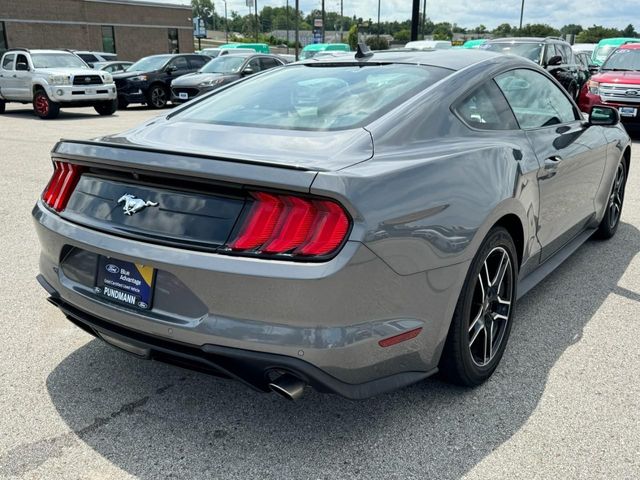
(54, 79)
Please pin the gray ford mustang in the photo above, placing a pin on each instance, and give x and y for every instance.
(351, 223)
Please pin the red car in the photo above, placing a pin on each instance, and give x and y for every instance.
(616, 84)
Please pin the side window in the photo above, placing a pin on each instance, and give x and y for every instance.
(254, 65)
(550, 51)
(486, 108)
(7, 62)
(266, 63)
(535, 100)
(565, 52)
(87, 57)
(180, 63)
(22, 63)
(197, 62)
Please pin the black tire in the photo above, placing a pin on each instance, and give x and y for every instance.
(475, 321)
(611, 220)
(106, 108)
(122, 104)
(44, 107)
(157, 97)
(3, 106)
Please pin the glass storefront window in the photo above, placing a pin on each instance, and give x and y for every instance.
(108, 39)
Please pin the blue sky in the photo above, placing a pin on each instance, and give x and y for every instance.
(470, 13)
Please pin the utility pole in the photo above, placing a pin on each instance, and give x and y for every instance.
(521, 15)
(255, 7)
(297, 27)
(378, 29)
(226, 23)
(287, 17)
(341, 22)
(424, 17)
(415, 19)
(322, 21)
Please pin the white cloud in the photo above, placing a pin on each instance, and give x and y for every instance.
(470, 13)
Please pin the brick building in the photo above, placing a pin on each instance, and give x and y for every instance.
(130, 28)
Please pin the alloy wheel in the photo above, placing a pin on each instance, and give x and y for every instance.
(158, 97)
(491, 306)
(42, 105)
(617, 197)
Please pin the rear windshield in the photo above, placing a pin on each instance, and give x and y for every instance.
(601, 53)
(623, 59)
(224, 64)
(315, 97)
(530, 50)
(149, 64)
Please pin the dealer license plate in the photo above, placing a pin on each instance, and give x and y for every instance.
(125, 282)
(628, 111)
(183, 96)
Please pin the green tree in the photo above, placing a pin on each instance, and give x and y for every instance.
(402, 35)
(629, 31)
(442, 31)
(596, 33)
(571, 29)
(376, 43)
(352, 37)
(503, 30)
(538, 30)
(205, 10)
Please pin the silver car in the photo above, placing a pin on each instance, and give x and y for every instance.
(353, 223)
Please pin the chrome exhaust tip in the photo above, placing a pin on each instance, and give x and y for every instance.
(288, 386)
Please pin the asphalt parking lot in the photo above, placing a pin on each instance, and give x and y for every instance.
(564, 403)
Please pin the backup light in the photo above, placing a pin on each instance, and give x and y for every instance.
(286, 224)
(63, 182)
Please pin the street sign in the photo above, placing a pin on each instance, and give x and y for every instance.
(317, 22)
(199, 29)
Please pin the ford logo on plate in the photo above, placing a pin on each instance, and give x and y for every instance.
(111, 268)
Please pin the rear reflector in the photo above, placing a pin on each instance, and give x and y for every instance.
(403, 337)
(286, 224)
(63, 182)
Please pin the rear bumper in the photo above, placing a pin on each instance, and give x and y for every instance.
(328, 315)
(255, 369)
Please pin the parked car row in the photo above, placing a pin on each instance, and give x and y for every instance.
(55, 79)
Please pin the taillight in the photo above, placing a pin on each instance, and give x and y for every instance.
(285, 224)
(63, 182)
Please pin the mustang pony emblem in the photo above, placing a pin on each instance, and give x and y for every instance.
(134, 205)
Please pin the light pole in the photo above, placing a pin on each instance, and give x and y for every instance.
(341, 22)
(322, 21)
(287, 17)
(256, 12)
(521, 15)
(226, 23)
(378, 20)
(297, 27)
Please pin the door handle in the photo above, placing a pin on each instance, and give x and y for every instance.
(15, 75)
(552, 163)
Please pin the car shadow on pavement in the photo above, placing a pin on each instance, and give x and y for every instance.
(158, 421)
(65, 114)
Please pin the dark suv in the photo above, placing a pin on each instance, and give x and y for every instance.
(148, 80)
(551, 53)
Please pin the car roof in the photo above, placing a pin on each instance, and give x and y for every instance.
(527, 40)
(445, 58)
(617, 40)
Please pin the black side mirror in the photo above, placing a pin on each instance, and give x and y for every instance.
(23, 67)
(593, 68)
(604, 116)
(554, 61)
(170, 69)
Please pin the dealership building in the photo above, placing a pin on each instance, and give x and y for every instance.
(130, 28)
